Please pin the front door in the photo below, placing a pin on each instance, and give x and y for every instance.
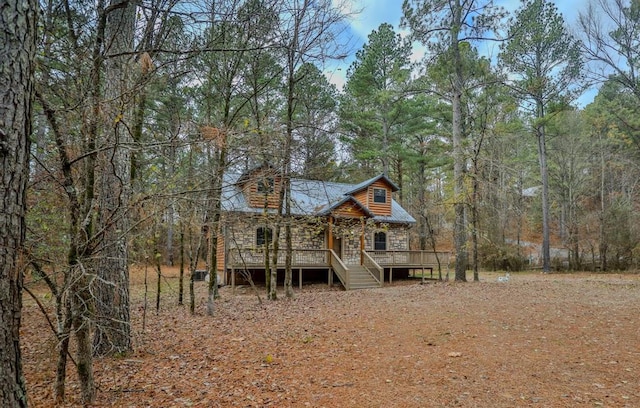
(337, 246)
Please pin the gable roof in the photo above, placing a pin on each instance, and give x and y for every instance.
(367, 183)
(313, 198)
(349, 198)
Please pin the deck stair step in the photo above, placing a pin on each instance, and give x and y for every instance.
(361, 278)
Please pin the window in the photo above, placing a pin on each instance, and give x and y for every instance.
(265, 185)
(263, 236)
(379, 195)
(380, 241)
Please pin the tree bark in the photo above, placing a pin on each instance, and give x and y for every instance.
(113, 331)
(17, 54)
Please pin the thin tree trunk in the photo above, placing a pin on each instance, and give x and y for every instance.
(193, 265)
(192, 295)
(474, 223)
(82, 305)
(602, 248)
(181, 277)
(65, 322)
(17, 54)
(158, 260)
(273, 278)
(214, 225)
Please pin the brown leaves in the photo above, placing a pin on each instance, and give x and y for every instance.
(216, 135)
(146, 63)
(541, 338)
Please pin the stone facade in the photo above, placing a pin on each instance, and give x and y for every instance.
(397, 237)
(240, 232)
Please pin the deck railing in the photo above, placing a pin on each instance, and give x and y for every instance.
(254, 258)
(323, 258)
(410, 258)
(339, 268)
(376, 270)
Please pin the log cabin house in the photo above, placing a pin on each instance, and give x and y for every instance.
(356, 233)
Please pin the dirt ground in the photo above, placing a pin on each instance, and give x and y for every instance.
(557, 340)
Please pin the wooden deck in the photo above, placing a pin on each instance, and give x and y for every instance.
(412, 260)
(374, 262)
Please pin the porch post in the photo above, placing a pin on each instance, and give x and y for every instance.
(362, 241)
(300, 278)
(330, 239)
(330, 246)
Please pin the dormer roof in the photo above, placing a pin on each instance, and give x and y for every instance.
(365, 184)
(347, 199)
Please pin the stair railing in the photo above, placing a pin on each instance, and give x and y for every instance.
(340, 269)
(372, 266)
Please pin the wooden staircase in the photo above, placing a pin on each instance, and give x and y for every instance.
(361, 278)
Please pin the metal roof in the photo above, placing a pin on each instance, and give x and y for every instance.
(311, 197)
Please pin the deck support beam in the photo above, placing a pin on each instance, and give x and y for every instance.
(233, 281)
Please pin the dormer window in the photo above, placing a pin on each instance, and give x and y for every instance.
(265, 185)
(379, 195)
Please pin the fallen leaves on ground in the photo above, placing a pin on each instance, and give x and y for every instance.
(539, 340)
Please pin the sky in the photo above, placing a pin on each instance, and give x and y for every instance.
(375, 12)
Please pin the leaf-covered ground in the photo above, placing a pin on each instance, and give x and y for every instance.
(538, 340)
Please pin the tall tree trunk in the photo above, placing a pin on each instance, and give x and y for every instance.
(459, 229)
(542, 156)
(17, 54)
(113, 329)
(288, 287)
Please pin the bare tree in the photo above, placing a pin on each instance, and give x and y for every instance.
(610, 41)
(309, 34)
